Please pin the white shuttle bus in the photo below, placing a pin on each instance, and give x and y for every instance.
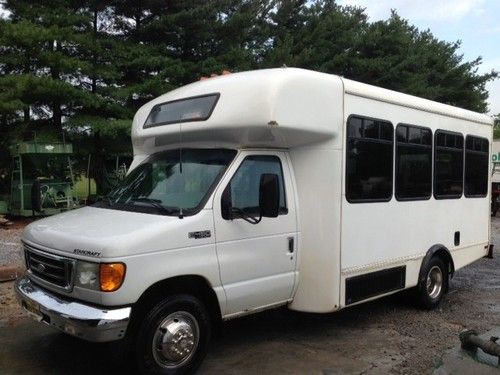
(261, 189)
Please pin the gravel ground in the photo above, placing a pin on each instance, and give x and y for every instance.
(383, 336)
(10, 246)
(10, 256)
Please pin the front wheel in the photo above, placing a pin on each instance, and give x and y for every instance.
(434, 284)
(173, 337)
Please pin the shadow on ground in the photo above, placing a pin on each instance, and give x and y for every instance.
(237, 347)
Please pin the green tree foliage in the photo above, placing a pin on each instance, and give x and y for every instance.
(395, 55)
(496, 128)
(86, 66)
(40, 59)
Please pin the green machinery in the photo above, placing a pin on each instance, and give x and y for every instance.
(41, 179)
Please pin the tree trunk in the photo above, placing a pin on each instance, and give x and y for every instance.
(94, 55)
(56, 106)
(26, 114)
(98, 165)
(57, 115)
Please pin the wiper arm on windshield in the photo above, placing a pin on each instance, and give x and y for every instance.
(156, 204)
(108, 200)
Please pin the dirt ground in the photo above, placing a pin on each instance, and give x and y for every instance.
(380, 337)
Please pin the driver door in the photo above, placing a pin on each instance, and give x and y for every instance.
(257, 261)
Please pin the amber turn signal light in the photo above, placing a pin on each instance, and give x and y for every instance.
(111, 276)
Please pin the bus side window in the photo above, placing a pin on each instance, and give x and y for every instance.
(448, 164)
(369, 160)
(413, 162)
(476, 166)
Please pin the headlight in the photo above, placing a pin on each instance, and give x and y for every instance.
(87, 275)
(105, 277)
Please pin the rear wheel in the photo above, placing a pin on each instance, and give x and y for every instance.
(434, 284)
(173, 337)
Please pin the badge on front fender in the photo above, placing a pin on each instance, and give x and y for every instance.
(200, 234)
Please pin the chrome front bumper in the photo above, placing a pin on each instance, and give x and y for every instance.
(74, 318)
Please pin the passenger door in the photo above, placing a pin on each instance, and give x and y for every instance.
(257, 261)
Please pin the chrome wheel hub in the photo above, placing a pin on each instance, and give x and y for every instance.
(176, 339)
(434, 282)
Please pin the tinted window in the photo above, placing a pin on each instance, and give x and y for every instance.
(197, 108)
(369, 160)
(476, 166)
(448, 164)
(413, 162)
(244, 186)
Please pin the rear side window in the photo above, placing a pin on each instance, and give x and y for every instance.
(196, 108)
(369, 160)
(476, 166)
(413, 162)
(448, 164)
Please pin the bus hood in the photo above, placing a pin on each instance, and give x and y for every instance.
(92, 232)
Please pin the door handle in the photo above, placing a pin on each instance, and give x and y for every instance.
(291, 244)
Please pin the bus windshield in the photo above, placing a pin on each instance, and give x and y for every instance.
(174, 182)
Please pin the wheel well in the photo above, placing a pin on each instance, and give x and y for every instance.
(443, 253)
(446, 257)
(194, 285)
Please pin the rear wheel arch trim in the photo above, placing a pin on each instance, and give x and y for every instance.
(440, 251)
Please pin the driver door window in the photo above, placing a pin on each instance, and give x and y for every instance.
(243, 190)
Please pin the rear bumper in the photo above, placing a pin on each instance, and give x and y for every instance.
(74, 318)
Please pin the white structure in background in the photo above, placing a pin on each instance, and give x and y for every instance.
(495, 176)
(495, 159)
(261, 189)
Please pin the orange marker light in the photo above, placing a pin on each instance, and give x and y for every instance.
(112, 276)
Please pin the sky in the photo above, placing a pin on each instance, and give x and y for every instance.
(474, 22)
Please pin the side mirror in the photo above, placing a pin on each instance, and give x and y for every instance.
(226, 208)
(36, 198)
(269, 195)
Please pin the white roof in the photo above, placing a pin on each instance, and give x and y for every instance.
(410, 101)
(283, 107)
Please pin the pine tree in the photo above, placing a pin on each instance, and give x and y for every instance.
(39, 55)
(286, 27)
(396, 55)
(147, 69)
(329, 36)
(99, 77)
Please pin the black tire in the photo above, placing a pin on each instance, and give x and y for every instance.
(428, 296)
(166, 311)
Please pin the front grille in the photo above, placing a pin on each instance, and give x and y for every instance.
(49, 268)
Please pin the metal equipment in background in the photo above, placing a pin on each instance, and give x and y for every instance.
(105, 172)
(42, 179)
(471, 342)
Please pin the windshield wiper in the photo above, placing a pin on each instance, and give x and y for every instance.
(156, 204)
(108, 200)
(105, 199)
